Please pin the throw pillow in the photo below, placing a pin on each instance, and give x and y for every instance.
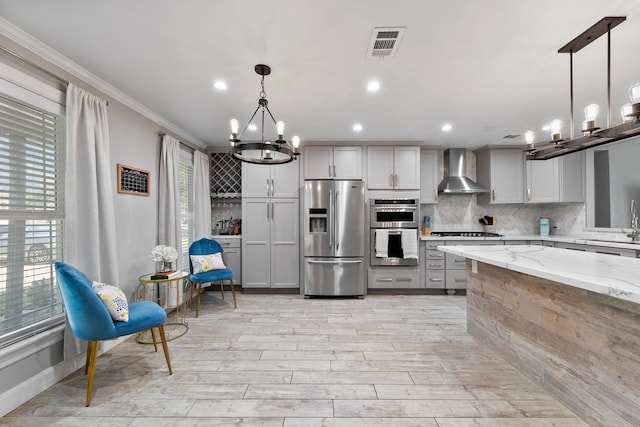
(114, 300)
(202, 263)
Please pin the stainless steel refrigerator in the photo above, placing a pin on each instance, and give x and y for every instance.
(334, 237)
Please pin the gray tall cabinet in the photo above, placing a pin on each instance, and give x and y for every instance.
(270, 227)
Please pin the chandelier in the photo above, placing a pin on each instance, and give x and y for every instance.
(263, 152)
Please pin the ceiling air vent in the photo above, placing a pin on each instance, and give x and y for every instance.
(384, 42)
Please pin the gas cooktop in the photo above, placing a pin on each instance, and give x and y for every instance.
(463, 234)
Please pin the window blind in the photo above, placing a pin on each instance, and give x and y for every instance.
(185, 176)
(32, 144)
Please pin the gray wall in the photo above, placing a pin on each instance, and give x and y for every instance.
(135, 141)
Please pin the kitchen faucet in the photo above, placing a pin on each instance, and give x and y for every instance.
(635, 233)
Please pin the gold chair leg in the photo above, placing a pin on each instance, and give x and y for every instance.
(88, 360)
(233, 293)
(93, 349)
(153, 337)
(198, 300)
(163, 338)
(221, 289)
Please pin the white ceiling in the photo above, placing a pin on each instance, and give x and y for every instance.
(488, 67)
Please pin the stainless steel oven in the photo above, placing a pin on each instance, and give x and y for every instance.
(393, 213)
(393, 227)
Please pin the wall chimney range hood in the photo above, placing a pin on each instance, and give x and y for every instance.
(455, 180)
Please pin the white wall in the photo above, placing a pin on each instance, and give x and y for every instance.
(33, 365)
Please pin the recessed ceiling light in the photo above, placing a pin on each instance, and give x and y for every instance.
(357, 127)
(446, 127)
(220, 85)
(252, 127)
(373, 86)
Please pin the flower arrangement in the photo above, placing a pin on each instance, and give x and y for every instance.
(163, 253)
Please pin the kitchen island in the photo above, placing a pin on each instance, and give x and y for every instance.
(568, 320)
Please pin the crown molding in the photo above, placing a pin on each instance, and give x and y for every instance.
(54, 57)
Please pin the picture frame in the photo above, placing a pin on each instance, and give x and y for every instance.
(132, 180)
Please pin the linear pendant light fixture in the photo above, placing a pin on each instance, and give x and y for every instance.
(263, 152)
(592, 136)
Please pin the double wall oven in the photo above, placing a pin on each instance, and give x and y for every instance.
(393, 225)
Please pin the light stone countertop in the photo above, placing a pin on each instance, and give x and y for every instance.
(562, 239)
(615, 276)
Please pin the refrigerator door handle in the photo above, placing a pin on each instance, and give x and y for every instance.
(335, 262)
(337, 230)
(331, 218)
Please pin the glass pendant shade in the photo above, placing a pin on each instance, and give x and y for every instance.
(634, 93)
(556, 126)
(625, 112)
(591, 112)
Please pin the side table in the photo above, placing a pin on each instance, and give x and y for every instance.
(168, 294)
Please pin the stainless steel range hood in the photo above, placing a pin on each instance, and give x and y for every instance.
(455, 180)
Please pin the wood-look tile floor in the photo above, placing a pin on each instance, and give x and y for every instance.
(286, 361)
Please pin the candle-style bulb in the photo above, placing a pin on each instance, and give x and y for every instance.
(235, 126)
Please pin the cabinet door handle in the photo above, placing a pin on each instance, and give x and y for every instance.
(268, 190)
(493, 195)
(272, 188)
(329, 171)
(528, 194)
(435, 195)
(391, 180)
(334, 171)
(267, 210)
(273, 211)
(395, 180)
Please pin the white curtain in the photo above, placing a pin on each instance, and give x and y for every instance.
(201, 196)
(90, 230)
(169, 232)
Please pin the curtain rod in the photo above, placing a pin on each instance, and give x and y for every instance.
(36, 66)
(184, 144)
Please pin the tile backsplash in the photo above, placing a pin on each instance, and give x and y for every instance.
(461, 213)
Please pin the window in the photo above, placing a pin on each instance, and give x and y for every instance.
(185, 176)
(32, 141)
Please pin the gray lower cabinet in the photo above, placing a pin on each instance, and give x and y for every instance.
(447, 271)
(434, 265)
(394, 278)
(232, 255)
(456, 266)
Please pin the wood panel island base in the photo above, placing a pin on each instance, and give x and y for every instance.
(568, 320)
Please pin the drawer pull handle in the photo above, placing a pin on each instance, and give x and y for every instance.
(384, 280)
(460, 280)
(403, 279)
(459, 259)
(435, 280)
(435, 265)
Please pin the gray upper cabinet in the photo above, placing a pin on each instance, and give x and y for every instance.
(428, 176)
(326, 162)
(501, 170)
(393, 168)
(561, 179)
(270, 180)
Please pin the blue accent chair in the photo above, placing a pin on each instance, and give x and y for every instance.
(206, 246)
(90, 321)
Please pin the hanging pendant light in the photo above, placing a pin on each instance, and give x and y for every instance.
(275, 152)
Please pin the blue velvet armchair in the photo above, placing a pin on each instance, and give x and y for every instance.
(90, 321)
(206, 246)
